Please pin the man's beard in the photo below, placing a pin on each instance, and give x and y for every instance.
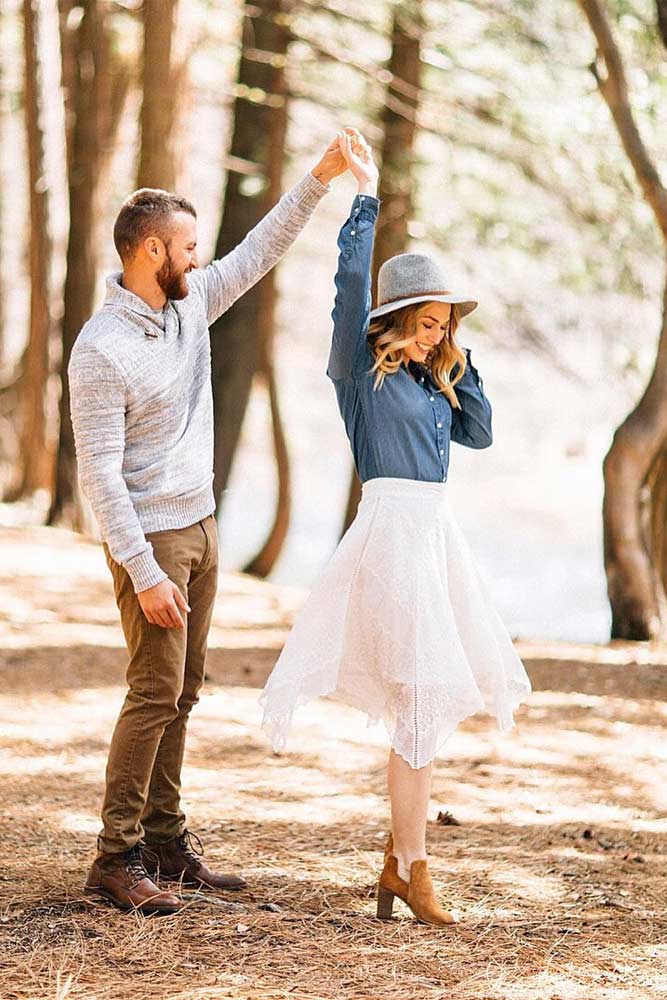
(172, 282)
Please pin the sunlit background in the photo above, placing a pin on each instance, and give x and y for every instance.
(522, 189)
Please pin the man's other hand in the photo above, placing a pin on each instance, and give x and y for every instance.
(162, 605)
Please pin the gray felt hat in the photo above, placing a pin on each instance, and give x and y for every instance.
(415, 277)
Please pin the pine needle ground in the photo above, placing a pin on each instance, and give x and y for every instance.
(557, 865)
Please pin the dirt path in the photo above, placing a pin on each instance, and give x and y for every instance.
(559, 864)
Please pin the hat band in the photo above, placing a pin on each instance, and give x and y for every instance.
(412, 295)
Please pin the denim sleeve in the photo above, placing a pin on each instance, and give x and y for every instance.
(349, 351)
(471, 425)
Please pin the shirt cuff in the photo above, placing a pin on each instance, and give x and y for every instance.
(144, 571)
(470, 369)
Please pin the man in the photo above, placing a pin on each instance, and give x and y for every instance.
(142, 411)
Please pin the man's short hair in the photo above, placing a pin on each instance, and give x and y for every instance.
(145, 213)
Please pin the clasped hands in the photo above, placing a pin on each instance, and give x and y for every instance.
(348, 150)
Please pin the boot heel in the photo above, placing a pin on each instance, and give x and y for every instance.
(385, 903)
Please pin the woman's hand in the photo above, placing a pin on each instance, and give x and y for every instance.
(332, 162)
(358, 157)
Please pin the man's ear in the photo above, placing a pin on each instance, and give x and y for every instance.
(154, 248)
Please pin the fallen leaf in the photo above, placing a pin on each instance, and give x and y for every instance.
(447, 819)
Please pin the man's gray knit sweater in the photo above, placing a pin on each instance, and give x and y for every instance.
(141, 398)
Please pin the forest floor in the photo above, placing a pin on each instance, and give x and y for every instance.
(558, 864)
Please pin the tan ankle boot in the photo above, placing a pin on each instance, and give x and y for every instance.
(418, 893)
(390, 884)
(421, 897)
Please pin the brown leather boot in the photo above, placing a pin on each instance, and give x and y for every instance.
(418, 893)
(390, 885)
(180, 860)
(123, 879)
(421, 897)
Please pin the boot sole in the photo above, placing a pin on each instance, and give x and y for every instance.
(146, 908)
(196, 884)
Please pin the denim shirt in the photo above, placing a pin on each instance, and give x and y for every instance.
(404, 428)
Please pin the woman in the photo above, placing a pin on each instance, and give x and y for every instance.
(400, 624)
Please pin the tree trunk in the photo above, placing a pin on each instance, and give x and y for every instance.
(661, 10)
(3, 144)
(399, 117)
(264, 561)
(258, 143)
(160, 99)
(634, 495)
(632, 554)
(35, 471)
(68, 59)
(87, 103)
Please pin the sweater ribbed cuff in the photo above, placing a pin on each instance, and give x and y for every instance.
(144, 571)
(309, 191)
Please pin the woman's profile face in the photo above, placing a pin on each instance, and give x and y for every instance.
(431, 325)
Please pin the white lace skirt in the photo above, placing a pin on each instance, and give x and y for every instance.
(400, 625)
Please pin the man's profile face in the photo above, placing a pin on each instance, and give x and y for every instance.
(180, 256)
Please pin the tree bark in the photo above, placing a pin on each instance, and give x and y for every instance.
(264, 561)
(88, 102)
(35, 463)
(157, 167)
(631, 552)
(399, 118)
(260, 123)
(613, 86)
(661, 10)
(633, 467)
(3, 140)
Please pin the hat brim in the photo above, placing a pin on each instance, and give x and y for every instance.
(466, 305)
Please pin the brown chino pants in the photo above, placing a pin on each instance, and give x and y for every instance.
(164, 675)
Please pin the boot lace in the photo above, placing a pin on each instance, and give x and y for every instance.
(191, 847)
(134, 864)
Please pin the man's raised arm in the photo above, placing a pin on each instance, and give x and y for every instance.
(225, 280)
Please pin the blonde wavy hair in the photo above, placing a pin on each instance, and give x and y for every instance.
(388, 335)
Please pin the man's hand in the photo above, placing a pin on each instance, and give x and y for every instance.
(160, 604)
(333, 162)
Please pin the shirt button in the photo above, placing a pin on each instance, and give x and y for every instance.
(439, 424)
(442, 451)
(353, 232)
(361, 197)
(422, 379)
(432, 398)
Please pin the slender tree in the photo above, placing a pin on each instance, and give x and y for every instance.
(635, 467)
(264, 561)
(3, 124)
(85, 51)
(399, 119)
(34, 472)
(159, 81)
(661, 10)
(241, 339)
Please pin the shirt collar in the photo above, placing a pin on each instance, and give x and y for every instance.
(117, 295)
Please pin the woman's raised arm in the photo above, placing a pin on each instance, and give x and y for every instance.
(349, 351)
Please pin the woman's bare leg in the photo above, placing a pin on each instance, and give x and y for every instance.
(409, 793)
